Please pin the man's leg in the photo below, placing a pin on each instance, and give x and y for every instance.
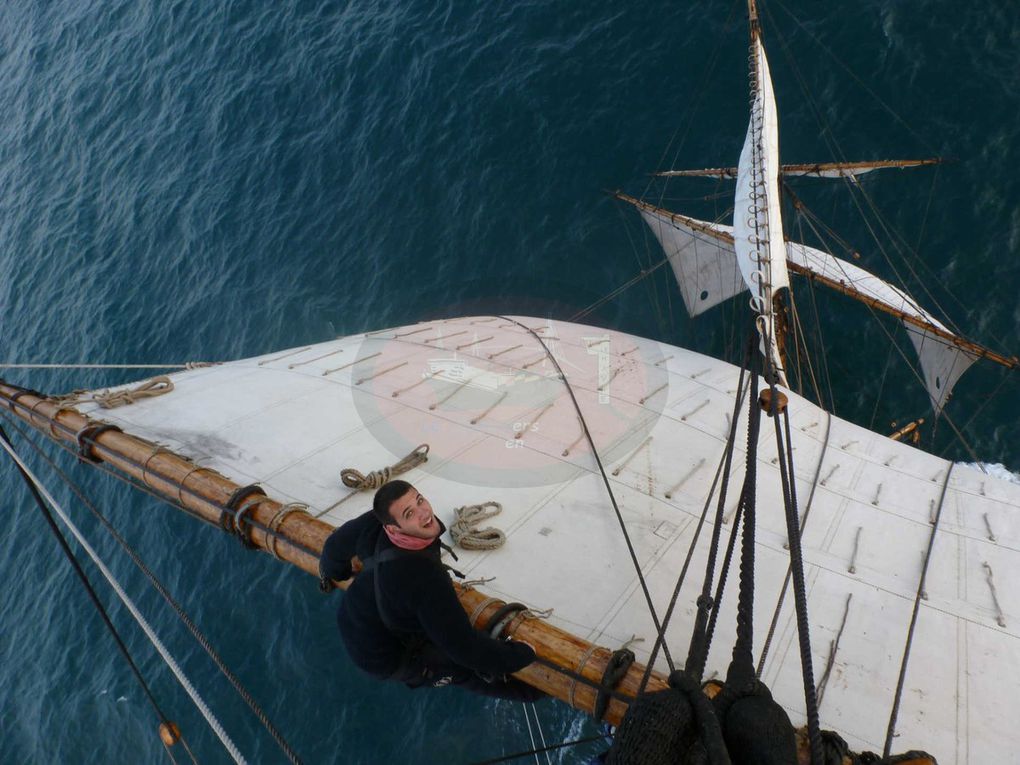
(441, 671)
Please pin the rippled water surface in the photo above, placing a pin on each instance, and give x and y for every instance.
(183, 181)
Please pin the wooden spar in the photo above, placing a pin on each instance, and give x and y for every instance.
(205, 493)
(1010, 362)
(821, 169)
(906, 430)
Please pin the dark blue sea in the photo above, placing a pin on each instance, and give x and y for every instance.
(208, 181)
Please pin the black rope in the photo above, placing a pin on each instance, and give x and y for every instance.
(609, 489)
(724, 462)
(69, 555)
(890, 731)
(697, 652)
(741, 668)
(199, 636)
(799, 590)
(533, 752)
(803, 524)
(738, 516)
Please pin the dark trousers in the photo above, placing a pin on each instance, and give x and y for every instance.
(427, 666)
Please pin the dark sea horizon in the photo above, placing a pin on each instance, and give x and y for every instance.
(211, 181)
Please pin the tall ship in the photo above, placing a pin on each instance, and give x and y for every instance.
(658, 513)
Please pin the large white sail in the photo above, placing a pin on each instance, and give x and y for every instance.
(757, 222)
(292, 419)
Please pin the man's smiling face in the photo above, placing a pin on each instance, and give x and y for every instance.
(412, 514)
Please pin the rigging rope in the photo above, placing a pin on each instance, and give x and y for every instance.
(199, 636)
(80, 573)
(149, 632)
(609, 489)
(803, 524)
(698, 650)
(354, 479)
(530, 752)
(787, 475)
(722, 467)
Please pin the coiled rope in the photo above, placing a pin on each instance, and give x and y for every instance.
(111, 399)
(150, 633)
(355, 479)
(465, 531)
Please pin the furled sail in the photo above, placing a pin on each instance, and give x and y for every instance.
(757, 222)
(816, 169)
(703, 254)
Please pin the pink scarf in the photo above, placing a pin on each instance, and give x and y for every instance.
(405, 541)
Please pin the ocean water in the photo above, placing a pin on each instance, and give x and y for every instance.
(207, 181)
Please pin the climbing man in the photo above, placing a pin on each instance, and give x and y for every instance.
(400, 618)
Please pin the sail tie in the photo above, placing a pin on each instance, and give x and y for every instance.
(355, 479)
(465, 531)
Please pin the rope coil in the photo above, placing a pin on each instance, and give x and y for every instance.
(355, 479)
(111, 399)
(465, 531)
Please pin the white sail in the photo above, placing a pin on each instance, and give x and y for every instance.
(292, 419)
(757, 222)
(699, 250)
(942, 364)
(704, 267)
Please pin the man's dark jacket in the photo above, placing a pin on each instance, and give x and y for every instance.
(420, 602)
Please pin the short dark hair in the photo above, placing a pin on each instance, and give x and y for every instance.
(387, 494)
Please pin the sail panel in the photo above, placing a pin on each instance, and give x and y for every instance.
(856, 279)
(942, 364)
(704, 267)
